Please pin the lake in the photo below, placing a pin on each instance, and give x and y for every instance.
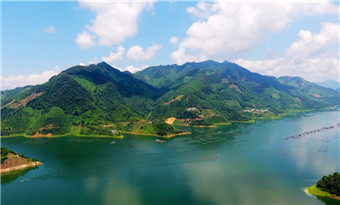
(242, 163)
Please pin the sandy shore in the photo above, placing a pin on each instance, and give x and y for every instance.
(173, 135)
(166, 136)
(19, 167)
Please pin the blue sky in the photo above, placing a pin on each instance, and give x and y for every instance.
(40, 39)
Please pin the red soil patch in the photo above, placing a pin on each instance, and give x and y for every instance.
(316, 95)
(13, 161)
(24, 101)
(37, 134)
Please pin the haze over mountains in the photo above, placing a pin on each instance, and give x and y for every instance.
(329, 84)
(99, 99)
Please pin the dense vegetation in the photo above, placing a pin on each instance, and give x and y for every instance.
(330, 184)
(101, 100)
(5, 153)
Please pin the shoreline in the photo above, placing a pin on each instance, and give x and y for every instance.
(177, 134)
(171, 135)
(100, 136)
(186, 125)
(20, 167)
(155, 135)
(313, 190)
(64, 135)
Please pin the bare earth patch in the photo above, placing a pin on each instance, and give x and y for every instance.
(170, 120)
(235, 87)
(15, 162)
(316, 95)
(37, 134)
(23, 102)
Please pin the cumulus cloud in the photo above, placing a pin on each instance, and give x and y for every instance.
(174, 40)
(226, 29)
(114, 22)
(315, 57)
(137, 53)
(113, 57)
(49, 29)
(12, 81)
(181, 56)
(323, 43)
(85, 40)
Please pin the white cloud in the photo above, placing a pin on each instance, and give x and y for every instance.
(130, 68)
(49, 29)
(174, 40)
(323, 43)
(82, 64)
(180, 56)
(137, 53)
(133, 69)
(93, 61)
(12, 81)
(202, 10)
(114, 22)
(113, 57)
(314, 57)
(226, 29)
(85, 40)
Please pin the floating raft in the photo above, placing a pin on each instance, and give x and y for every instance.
(310, 132)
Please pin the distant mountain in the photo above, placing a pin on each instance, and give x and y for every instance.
(226, 88)
(329, 84)
(8, 94)
(101, 100)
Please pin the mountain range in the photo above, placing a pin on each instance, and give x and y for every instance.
(329, 84)
(101, 100)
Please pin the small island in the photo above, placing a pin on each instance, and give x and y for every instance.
(328, 186)
(12, 161)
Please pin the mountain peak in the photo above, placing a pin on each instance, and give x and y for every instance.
(103, 63)
(329, 84)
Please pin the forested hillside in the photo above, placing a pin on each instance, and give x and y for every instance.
(101, 100)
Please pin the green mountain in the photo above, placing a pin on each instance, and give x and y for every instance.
(97, 99)
(101, 100)
(329, 84)
(227, 91)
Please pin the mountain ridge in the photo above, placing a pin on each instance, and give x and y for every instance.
(101, 100)
(329, 84)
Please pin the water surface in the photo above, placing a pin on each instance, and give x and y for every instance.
(235, 164)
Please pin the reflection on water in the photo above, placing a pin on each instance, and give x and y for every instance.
(242, 163)
(328, 201)
(11, 176)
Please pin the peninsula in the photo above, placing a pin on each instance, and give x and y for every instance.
(12, 161)
(328, 186)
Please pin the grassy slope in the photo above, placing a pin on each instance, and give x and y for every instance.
(317, 192)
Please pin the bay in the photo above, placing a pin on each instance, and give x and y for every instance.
(241, 163)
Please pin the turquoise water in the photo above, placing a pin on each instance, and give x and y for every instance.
(235, 164)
